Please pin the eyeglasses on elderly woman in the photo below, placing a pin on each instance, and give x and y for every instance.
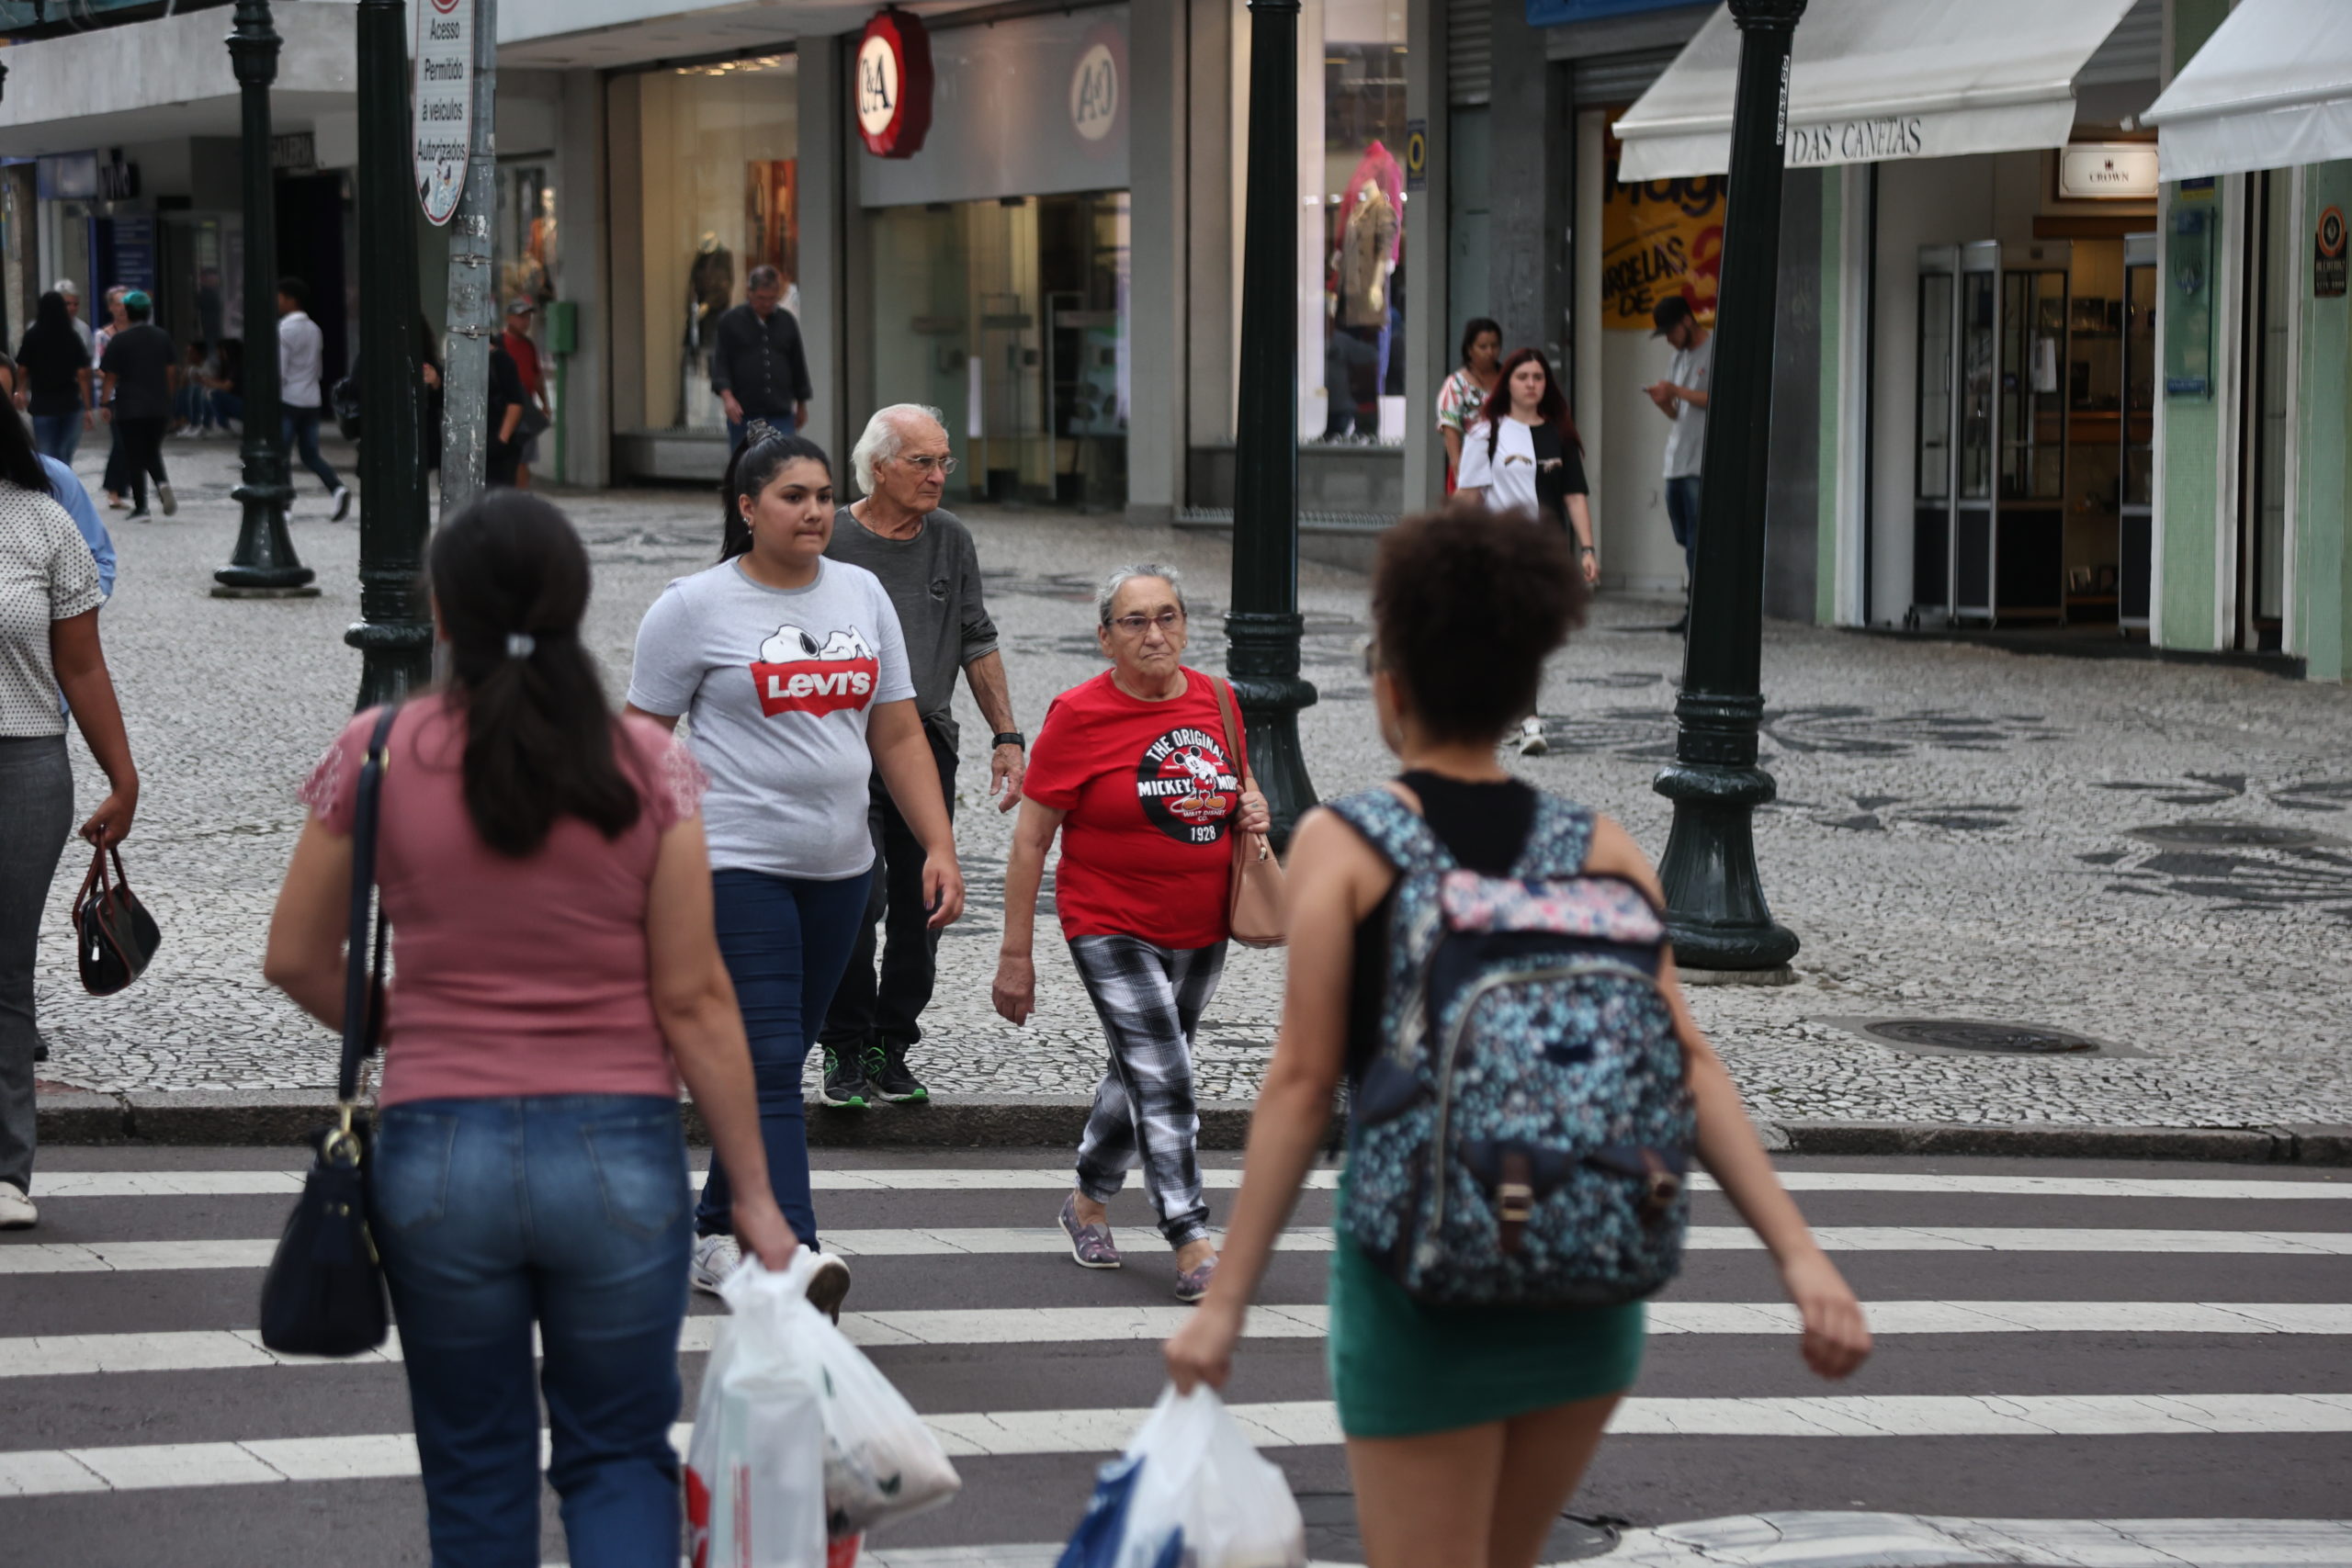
(1136, 625)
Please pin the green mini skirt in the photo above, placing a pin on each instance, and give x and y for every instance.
(1400, 1369)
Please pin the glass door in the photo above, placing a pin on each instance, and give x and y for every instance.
(1979, 424)
(1935, 484)
(2135, 547)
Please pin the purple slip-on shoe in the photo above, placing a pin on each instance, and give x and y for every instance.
(1090, 1244)
(1192, 1284)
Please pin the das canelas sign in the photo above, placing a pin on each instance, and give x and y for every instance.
(443, 53)
(1658, 238)
(893, 92)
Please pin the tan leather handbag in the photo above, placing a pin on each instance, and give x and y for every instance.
(1258, 904)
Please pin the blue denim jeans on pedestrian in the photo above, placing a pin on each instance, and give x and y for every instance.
(569, 1210)
(786, 940)
(302, 435)
(1682, 517)
(779, 422)
(57, 434)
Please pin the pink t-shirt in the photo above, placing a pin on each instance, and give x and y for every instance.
(510, 978)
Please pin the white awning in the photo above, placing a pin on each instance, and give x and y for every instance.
(2271, 88)
(1872, 81)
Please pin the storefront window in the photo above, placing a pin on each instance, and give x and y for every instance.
(1010, 318)
(1362, 372)
(717, 194)
(527, 234)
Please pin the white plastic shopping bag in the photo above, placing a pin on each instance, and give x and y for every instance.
(881, 1461)
(755, 1470)
(1189, 1492)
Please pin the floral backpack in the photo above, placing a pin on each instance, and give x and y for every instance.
(1522, 1134)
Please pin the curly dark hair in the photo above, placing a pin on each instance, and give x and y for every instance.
(1467, 605)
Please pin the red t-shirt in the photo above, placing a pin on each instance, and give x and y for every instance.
(1150, 795)
(526, 354)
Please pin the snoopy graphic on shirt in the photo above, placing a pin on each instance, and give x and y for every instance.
(797, 672)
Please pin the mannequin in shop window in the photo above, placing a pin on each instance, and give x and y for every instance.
(1372, 233)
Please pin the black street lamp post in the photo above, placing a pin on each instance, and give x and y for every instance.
(395, 634)
(1714, 895)
(264, 565)
(1263, 628)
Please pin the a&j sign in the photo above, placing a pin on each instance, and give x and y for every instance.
(893, 98)
(443, 53)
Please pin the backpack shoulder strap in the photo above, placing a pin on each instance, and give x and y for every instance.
(1394, 829)
(1557, 842)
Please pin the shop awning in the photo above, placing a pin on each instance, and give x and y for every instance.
(1872, 81)
(2271, 88)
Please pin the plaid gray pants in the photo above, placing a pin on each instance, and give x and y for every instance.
(1149, 998)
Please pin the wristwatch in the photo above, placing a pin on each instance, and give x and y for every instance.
(1010, 737)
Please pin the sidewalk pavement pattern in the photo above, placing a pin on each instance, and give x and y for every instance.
(2155, 856)
(2097, 1364)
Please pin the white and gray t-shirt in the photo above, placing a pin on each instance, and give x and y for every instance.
(47, 575)
(1686, 443)
(777, 684)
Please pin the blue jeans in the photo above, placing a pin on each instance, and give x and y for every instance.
(57, 434)
(569, 1210)
(1682, 517)
(303, 434)
(786, 940)
(227, 406)
(780, 423)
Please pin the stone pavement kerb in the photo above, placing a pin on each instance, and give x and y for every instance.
(2152, 856)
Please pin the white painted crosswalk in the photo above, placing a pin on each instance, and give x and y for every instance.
(82, 1355)
(248, 1183)
(1994, 1355)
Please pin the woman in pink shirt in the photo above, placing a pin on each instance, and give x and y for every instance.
(542, 869)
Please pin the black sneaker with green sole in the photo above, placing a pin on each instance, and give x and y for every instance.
(886, 1068)
(846, 1086)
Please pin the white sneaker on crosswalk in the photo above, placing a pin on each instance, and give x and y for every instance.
(1531, 738)
(17, 1211)
(716, 1256)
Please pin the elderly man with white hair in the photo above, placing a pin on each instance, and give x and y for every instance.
(925, 557)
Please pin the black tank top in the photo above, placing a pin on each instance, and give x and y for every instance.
(1484, 826)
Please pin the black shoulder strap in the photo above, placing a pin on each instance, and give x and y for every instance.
(363, 981)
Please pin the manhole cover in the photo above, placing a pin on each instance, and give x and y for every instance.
(1964, 1034)
(2229, 836)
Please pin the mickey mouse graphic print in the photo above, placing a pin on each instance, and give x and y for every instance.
(1151, 791)
(776, 686)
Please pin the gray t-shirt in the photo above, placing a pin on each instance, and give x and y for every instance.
(1686, 443)
(778, 684)
(933, 580)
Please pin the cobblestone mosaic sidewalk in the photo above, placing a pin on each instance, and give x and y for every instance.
(1963, 833)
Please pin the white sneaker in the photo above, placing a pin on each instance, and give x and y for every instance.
(17, 1211)
(342, 504)
(1531, 738)
(716, 1256)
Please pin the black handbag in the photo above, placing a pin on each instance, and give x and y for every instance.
(114, 933)
(342, 398)
(325, 1292)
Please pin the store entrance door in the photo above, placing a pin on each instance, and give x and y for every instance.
(2135, 533)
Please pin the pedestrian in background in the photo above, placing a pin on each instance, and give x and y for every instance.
(792, 670)
(1682, 396)
(1133, 772)
(1468, 1427)
(1466, 391)
(541, 867)
(925, 560)
(140, 371)
(301, 362)
(117, 480)
(521, 315)
(225, 386)
(53, 383)
(503, 431)
(50, 594)
(757, 366)
(73, 293)
(191, 408)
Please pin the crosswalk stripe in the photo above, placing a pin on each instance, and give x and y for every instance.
(133, 1257)
(249, 1183)
(1296, 1424)
(182, 1350)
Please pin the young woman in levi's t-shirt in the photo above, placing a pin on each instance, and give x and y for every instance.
(1134, 771)
(792, 672)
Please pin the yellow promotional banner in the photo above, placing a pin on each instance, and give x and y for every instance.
(1658, 238)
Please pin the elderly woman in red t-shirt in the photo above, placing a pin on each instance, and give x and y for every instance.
(1133, 770)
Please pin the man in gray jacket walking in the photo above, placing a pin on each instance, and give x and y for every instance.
(925, 557)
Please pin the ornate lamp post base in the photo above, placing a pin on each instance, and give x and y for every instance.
(1714, 894)
(1262, 662)
(396, 658)
(263, 565)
